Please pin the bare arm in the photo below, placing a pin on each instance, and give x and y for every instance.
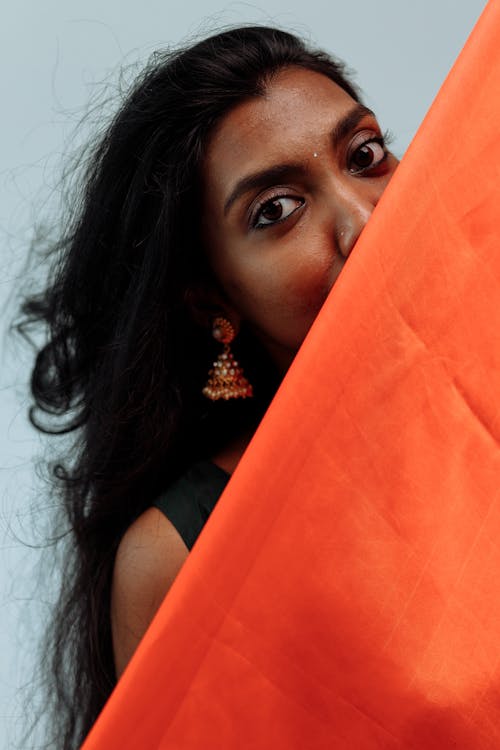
(148, 559)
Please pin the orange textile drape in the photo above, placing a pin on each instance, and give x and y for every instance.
(345, 592)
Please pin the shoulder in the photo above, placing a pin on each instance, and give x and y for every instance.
(151, 543)
(149, 556)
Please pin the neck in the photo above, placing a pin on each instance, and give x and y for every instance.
(229, 457)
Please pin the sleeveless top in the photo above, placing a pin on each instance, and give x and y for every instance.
(189, 500)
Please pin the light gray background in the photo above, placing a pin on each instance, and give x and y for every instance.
(54, 56)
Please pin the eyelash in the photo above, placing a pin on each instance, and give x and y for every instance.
(382, 140)
(269, 202)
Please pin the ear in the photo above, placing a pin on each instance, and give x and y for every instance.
(204, 302)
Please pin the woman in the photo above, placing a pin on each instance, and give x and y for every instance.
(218, 211)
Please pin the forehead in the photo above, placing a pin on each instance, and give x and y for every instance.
(292, 119)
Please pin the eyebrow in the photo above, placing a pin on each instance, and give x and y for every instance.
(265, 177)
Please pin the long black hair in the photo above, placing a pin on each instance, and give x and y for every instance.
(124, 363)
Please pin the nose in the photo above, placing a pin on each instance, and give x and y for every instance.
(355, 204)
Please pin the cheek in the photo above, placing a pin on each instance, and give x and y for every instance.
(281, 292)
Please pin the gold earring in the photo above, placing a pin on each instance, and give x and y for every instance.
(226, 379)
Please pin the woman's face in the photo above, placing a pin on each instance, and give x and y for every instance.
(290, 180)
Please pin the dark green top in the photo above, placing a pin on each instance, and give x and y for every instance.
(189, 500)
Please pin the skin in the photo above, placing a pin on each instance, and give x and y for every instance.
(275, 278)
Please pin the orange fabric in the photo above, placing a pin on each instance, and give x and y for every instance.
(346, 591)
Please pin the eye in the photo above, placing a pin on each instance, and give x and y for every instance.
(274, 211)
(367, 155)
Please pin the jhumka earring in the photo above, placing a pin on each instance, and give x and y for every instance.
(226, 379)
